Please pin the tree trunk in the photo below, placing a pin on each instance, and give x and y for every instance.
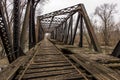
(106, 34)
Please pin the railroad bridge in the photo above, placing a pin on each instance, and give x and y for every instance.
(55, 57)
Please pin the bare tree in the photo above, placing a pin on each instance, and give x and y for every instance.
(106, 12)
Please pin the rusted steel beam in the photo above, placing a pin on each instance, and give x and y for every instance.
(52, 35)
(72, 13)
(5, 37)
(61, 12)
(81, 32)
(68, 29)
(60, 33)
(47, 22)
(116, 51)
(54, 20)
(16, 28)
(90, 29)
(63, 31)
(71, 10)
(40, 31)
(75, 30)
(32, 39)
(71, 31)
(55, 33)
(51, 22)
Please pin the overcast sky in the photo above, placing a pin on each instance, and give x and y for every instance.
(90, 5)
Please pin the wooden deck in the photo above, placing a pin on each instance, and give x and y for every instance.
(46, 62)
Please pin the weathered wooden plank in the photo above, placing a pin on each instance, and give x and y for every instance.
(9, 72)
(51, 73)
(98, 71)
(49, 62)
(69, 76)
(48, 69)
(49, 56)
(112, 61)
(42, 54)
(47, 59)
(49, 65)
(115, 65)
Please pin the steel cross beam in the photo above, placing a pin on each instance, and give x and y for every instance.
(61, 12)
(55, 20)
(59, 20)
(56, 25)
(66, 18)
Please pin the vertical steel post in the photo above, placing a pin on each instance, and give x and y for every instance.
(55, 33)
(71, 33)
(68, 29)
(16, 28)
(65, 31)
(116, 51)
(90, 29)
(81, 32)
(75, 31)
(32, 39)
(51, 36)
(61, 32)
(39, 33)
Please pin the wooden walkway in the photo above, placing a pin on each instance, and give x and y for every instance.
(49, 64)
(46, 62)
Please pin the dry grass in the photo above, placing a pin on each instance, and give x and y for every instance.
(105, 49)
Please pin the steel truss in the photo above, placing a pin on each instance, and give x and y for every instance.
(61, 28)
(5, 37)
